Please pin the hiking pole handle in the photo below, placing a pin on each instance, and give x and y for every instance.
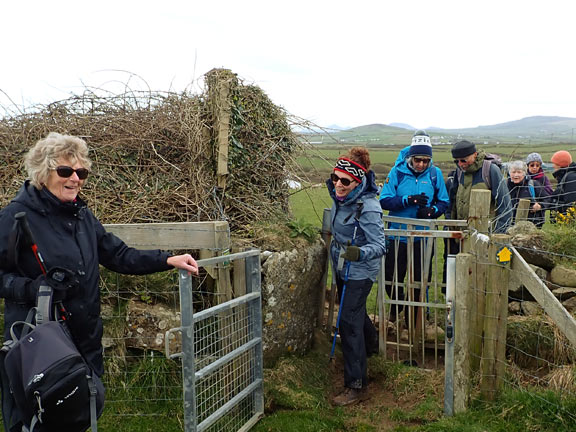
(29, 239)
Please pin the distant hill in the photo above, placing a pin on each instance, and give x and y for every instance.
(536, 126)
(403, 125)
(536, 129)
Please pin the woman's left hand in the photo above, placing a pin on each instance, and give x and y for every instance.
(536, 207)
(184, 262)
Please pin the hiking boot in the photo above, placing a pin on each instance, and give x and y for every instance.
(350, 396)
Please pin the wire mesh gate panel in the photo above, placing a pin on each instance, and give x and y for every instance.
(412, 291)
(222, 355)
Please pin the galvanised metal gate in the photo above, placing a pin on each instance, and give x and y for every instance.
(416, 315)
(222, 354)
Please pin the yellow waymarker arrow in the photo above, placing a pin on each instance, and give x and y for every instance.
(504, 255)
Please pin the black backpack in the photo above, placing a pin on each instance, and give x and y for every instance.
(51, 383)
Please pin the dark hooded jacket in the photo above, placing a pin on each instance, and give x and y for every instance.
(564, 196)
(534, 191)
(67, 235)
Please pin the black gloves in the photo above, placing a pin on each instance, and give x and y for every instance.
(63, 282)
(352, 253)
(419, 200)
(426, 213)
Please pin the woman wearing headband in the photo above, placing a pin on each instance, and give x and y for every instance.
(70, 239)
(357, 245)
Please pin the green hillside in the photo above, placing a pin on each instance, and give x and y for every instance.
(529, 130)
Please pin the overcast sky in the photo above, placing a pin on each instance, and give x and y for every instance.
(444, 63)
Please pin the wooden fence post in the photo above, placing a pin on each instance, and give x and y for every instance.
(495, 319)
(477, 245)
(522, 210)
(327, 237)
(462, 323)
(220, 82)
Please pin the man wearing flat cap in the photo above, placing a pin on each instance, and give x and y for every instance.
(475, 171)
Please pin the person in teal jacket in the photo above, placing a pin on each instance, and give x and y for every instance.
(413, 189)
(357, 246)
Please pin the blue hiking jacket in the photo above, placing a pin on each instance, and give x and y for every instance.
(402, 182)
(362, 202)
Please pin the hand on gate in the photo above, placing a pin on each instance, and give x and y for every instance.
(426, 213)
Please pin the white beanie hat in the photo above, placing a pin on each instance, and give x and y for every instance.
(421, 145)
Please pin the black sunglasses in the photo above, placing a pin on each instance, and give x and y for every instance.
(66, 171)
(344, 181)
(420, 160)
(460, 160)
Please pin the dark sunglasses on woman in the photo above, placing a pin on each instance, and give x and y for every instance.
(344, 181)
(66, 171)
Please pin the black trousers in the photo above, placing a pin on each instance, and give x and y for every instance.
(357, 332)
(398, 262)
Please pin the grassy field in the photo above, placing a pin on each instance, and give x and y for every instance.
(407, 399)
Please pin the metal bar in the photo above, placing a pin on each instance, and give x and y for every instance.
(220, 412)
(227, 358)
(425, 222)
(225, 258)
(188, 366)
(424, 233)
(253, 285)
(222, 307)
(449, 336)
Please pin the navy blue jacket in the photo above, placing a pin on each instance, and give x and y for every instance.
(68, 235)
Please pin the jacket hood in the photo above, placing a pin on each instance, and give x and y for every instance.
(402, 165)
(366, 189)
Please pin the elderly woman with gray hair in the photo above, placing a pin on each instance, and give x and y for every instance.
(70, 239)
(523, 187)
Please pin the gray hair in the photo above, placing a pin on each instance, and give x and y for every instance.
(46, 153)
(517, 165)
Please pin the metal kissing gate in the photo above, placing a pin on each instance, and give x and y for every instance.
(416, 309)
(222, 355)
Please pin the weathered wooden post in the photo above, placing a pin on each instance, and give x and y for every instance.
(522, 210)
(495, 319)
(462, 331)
(327, 237)
(477, 245)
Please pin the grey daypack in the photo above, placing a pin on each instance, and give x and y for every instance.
(52, 385)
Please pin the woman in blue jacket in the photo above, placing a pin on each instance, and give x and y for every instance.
(357, 245)
(414, 188)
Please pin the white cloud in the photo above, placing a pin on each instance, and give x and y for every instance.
(447, 63)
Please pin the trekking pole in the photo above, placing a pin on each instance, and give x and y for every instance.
(346, 272)
(22, 220)
(29, 240)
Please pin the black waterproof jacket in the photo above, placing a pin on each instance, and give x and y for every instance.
(67, 235)
(565, 194)
(536, 192)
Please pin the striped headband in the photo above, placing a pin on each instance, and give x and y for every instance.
(356, 171)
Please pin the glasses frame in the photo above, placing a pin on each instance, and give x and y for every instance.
(345, 182)
(65, 171)
(416, 159)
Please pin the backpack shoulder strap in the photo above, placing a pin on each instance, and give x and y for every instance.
(486, 165)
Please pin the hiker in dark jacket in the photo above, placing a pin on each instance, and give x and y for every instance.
(471, 174)
(68, 236)
(564, 195)
(521, 186)
(414, 189)
(536, 173)
(357, 245)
